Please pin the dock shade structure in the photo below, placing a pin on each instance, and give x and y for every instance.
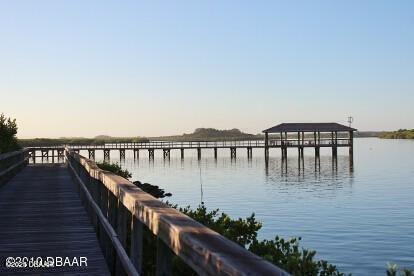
(314, 135)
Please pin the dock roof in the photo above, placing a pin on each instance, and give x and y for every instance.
(308, 127)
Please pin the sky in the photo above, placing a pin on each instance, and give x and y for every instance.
(135, 68)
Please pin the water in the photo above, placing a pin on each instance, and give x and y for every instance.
(358, 219)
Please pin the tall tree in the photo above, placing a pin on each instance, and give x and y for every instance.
(8, 131)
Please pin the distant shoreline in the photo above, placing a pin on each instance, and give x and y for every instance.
(399, 134)
(200, 134)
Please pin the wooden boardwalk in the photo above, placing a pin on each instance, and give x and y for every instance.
(41, 215)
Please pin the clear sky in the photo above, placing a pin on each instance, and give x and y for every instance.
(127, 68)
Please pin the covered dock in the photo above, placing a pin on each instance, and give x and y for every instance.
(315, 135)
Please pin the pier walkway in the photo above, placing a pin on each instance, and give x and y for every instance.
(41, 215)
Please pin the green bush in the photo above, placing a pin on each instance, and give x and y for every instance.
(115, 168)
(288, 255)
(392, 270)
(241, 231)
(8, 131)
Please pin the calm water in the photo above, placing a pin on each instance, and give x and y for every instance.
(358, 219)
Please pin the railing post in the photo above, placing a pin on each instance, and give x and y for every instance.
(164, 259)
(105, 243)
(96, 197)
(112, 214)
(136, 243)
(121, 230)
(112, 209)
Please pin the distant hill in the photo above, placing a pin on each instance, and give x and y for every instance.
(216, 133)
(103, 137)
(211, 134)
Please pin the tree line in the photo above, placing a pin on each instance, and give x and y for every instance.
(399, 134)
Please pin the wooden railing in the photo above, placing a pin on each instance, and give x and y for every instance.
(113, 201)
(11, 163)
(206, 144)
(222, 144)
(186, 144)
(310, 142)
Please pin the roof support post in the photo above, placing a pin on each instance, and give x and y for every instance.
(281, 138)
(266, 145)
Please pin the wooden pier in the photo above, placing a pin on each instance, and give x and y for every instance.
(75, 209)
(283, 137)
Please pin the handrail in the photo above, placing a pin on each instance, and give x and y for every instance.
(11, 163)
(204, 250)
(126, 262)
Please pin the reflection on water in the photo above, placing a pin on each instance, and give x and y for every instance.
(310, 173)
(359, 216)
(295, 166)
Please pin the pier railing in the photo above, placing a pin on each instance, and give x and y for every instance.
(310, 142)
(119, 209)
(225, 144)
(206, 144)
(11, 163)
(188, 144)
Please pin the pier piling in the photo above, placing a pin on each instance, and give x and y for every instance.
(233, 153)
(249, 153)
(122, 154)
(106, 154)
(151, 154)
(166, 153)
(91, 154)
